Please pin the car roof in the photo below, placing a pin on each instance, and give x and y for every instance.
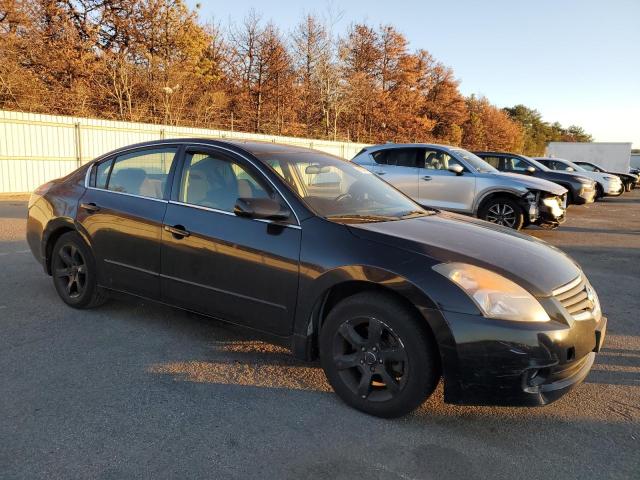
(492, 152)
(383, 146)
(252, 147)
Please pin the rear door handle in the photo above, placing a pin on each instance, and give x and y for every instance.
(381, 173)
(178, 231)
(90, 207)
(426, 177)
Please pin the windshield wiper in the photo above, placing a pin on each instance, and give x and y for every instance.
(363, 218)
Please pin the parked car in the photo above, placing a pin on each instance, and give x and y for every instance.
(629, 180)
(580, 190)
(457, 180)
(606, 184)
(329, 260)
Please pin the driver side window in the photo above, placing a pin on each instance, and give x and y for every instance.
(437, 160)
(213, 180)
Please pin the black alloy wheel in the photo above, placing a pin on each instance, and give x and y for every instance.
(74, 273)
(371, 359)
(379, 356)
(70, 270)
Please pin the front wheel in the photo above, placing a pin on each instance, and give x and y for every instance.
(503, 211)
(74, 272)
(378, 356)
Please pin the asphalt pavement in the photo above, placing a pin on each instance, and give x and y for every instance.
(138, 390)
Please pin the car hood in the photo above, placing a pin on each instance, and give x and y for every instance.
(449, 237)
(557, 175)
(533, 183)
(599, 177)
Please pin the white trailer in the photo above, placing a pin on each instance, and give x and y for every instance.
(612, 156)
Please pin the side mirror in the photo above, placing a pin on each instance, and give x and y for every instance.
(457, 169)
(531, 170)
(261, 208)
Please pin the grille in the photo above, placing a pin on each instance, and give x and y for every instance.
(574, 297)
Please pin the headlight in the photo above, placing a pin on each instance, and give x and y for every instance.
(553, 204)
(495, 296)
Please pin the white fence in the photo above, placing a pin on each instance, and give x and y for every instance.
(35, 148)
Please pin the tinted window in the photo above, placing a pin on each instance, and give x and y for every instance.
(143, 172)
(215, 181)
(437, 160)
(380, 157)
(402, 157)
(493, 161)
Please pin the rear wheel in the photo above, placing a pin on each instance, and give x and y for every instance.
(377, 356)
(503, 211)
(74, 273)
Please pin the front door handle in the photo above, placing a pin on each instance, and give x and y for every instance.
(90, 207)
(178, 231)
(381, 173)
(426, 177)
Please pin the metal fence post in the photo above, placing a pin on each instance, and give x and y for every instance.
(77, 134)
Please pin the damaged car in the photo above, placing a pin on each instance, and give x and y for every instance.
(453, 179)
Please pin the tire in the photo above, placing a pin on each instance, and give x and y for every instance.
(570, 198)
(74, 272)
(599, 192)
(502, 211)
(387, 375)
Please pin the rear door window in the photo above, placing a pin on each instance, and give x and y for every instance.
(403, 157)
(495, 162)
(143, 172)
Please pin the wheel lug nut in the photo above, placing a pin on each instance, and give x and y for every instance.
(380, 360)
(362, 362)
(363, 349)
(374, 349)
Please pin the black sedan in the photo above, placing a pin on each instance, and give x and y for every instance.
(330, 260)
(629, 180)
(581, 189)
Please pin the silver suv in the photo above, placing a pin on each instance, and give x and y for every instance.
(454, 179)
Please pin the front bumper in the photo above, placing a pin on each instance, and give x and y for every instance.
(614, 189)
(585, 195)
(552, 213)
(511, 364)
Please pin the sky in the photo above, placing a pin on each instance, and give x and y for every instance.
(576, 62)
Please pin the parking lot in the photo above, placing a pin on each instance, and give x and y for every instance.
(134, 389)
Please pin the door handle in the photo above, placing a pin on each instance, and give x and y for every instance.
(426, 177)
(177, 231)
(381, 173)
(90, 207)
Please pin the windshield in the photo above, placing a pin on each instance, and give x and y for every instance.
(576, 167)
(537, 164)
(340, 190)
(475, 161)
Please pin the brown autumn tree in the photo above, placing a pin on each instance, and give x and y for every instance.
(155, 61)
(490, 128)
